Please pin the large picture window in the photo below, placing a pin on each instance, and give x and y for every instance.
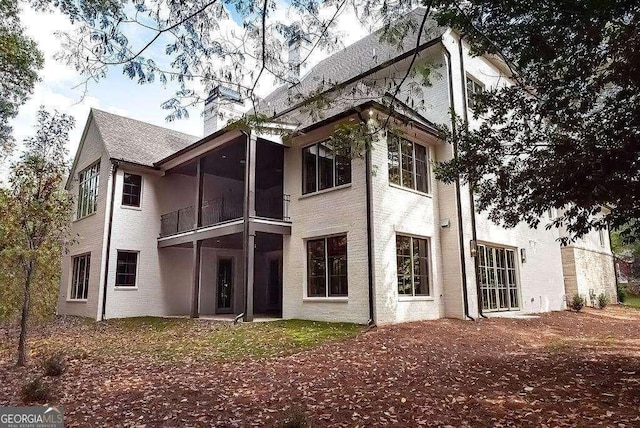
(131, 190)
(327, 267)
(88, 180)
(413, 266)
(323, 168)
(126, 269)
(408, 164)
(80, 277)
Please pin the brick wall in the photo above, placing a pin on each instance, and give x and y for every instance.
(89, 232)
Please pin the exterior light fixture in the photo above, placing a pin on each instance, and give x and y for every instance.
(523, 255)
(473, 245)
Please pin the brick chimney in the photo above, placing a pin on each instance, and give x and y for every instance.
(222, 106)
(298, 50)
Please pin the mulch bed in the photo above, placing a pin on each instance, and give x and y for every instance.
(561, 369)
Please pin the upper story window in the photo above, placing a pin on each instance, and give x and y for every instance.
(601, 237)
(131, 190)
(408, 164)
(323, 169)
(88, 190)
(473, 88)
(327, 267)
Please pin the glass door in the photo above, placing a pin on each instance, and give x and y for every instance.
(498, 279)
(224, 289)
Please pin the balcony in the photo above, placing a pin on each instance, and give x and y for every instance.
(222, 210)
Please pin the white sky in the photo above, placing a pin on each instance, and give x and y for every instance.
(116, 93)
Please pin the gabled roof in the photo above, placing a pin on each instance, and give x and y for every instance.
(138, 142)
(362, 58)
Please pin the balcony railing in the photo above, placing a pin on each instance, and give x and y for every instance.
(221, 210)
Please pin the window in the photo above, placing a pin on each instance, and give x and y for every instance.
(131, 189)
(473, 88)
(327, 267)
(323, 168)
(88, 190)
(413, 266)
(126, 269)
(408, 165)
(80, 277)
(601, 237)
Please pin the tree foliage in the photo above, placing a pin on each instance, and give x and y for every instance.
(34, 223)
(566, 133)
(20, 61)
(562, 134)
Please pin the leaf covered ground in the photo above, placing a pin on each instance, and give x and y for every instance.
(561, 369)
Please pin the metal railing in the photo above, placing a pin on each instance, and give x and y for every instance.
(220, 210)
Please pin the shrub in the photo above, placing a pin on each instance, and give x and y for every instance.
(622, 293)
(295, 418)
(603, 300)
(55, 365)
(577, 302)
(35, 390)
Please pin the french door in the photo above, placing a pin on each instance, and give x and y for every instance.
(498, 278)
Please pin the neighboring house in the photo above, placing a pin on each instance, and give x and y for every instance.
(240, 222)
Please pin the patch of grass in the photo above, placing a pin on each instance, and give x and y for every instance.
(557, 346)
(180, 339)
(632, 300)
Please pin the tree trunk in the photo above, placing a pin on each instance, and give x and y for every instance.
(22, 344)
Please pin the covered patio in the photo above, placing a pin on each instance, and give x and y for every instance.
(232, 223)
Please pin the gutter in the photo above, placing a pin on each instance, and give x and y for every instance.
(114, 170)
(472, 202)
(370, 251)
(463, 261)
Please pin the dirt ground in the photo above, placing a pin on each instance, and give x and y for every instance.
(561, 369)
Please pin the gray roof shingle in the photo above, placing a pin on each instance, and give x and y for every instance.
(138, 142)
(357, 59)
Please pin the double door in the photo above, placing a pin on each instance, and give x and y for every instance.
(498, 278)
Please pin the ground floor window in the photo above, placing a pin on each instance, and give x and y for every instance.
(498, 278)
(126, 269)
(327, 267)
(412, 255)
(80, 277)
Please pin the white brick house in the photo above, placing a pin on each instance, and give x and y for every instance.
(237, 222)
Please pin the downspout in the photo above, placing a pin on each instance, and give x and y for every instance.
(613, 259)
(370, 251)
(463, 262)
(114, 170)
(472, 203)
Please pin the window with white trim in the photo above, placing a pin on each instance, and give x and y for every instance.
(131, 190)
(126, 268)
(88, 181)
(412, 255)
(327, 267)
(601, 237)
(473, 89)
(81, 266)
(408, 164)
(323, 168)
